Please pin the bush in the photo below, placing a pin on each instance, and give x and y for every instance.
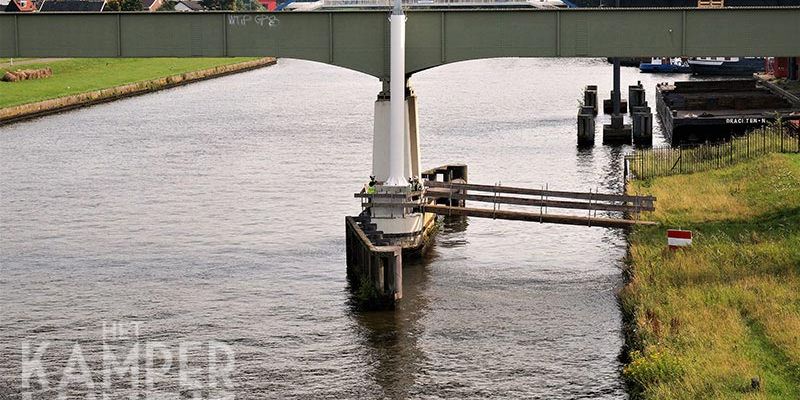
(652, 367)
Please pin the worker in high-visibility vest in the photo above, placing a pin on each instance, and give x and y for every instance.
(371, 186)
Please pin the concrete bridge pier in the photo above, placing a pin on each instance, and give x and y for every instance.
(396, 218)
(617, 131)
(395, 159)
(381, 135)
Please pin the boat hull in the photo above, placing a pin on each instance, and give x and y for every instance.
(727, 68)
(664, 68)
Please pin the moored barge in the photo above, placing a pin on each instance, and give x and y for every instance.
(699, 111)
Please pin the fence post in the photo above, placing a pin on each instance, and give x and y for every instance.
(625, 166)
(680, 159)
(731, 151)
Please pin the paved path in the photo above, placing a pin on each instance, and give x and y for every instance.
(31, 61)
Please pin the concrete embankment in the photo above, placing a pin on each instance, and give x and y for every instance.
(37, 109)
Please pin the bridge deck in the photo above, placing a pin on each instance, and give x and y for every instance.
(359, 40)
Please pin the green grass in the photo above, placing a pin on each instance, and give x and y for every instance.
(83, 75)
(704, 321)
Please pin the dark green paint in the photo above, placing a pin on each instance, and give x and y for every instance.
(358, 39)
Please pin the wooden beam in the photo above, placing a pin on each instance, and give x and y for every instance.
(577, 205)
(534, 217)
(541, 192)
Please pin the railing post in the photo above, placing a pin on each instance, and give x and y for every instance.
(625, 167)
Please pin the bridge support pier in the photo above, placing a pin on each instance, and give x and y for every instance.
(617, 131)
(397, 221)
(381, 132)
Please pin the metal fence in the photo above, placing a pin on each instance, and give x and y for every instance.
(663, 161)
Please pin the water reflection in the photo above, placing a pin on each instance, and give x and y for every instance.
(585, 159)
(451, 233)
(612, 179)
(391, 337)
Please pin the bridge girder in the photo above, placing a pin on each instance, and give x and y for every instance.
(359, 40)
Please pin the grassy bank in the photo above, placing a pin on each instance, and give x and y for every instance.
(75, 76)
(703, 322)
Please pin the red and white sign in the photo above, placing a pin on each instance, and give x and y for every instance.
(678, 238)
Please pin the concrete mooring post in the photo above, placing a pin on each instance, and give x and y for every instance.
(586, 126)
(590, 98)
(642, 126)
(636, 96)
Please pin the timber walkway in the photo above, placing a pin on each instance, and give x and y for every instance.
(449, 197)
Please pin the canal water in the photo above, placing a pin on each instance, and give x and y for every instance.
(211, 217)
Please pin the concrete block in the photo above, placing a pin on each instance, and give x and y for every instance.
(643, 127)
(586, 127)
(608, 106)
(617, 132)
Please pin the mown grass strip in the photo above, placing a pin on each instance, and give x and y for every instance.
(75, 76)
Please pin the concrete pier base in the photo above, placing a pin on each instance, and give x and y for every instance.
(586, 126)
(617, 132)
(391, 227)
(375, 272)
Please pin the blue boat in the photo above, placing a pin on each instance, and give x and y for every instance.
(726, 65)
(665, 66)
